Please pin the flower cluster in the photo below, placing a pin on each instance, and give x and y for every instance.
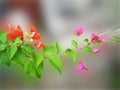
(94, 39)
(97, 38)
(32, 37)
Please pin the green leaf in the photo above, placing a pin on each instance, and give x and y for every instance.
(49, 50)
(58, 47)
(28, 66)
(86, 40)
(56, 62)
(72, 53)
(40, 70)
(18, 41)
(19, 58)
(74, 43)
(4, 58)
(39, 59)
(2, 47)
(11, 50)
(2, 36)
(28, 48)
(88, 49)
(68, 51)
(31, 69)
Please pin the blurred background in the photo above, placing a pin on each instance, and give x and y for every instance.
(56, 20)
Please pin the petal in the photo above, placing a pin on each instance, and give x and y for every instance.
(39, 44)
(13, 34)
(78, 68)
(94, 37)
(36, 36)
(78, 31)
(19, 28)
(85, 68)
(32, 28)
(81, 66)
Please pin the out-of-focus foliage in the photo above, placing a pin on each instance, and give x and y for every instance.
(116, 38)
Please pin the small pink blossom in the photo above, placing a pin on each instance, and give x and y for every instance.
(78, 31)
(96, 50)
(81, 66)
(97, 38)
(94, 37)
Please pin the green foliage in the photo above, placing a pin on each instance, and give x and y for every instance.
(2, 47)
(58, 47)
(4, 58)
(72, 53)
(28, 66)
(31, 68)
(2, 36)
(86, 40)
(11, 50)
(56, 62)
(74, 43)
(18, 41)
(16, 52)
(68, 51)
(39, 59)
(116, 38)
(49, 50)
(88, 49)
(19, 53)
(27, 48)
(40, 70)
(19, 58)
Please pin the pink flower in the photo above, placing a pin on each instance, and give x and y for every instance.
(96, 50)
(97, 39)
(78, 31)
(81, 66)
(94, 37)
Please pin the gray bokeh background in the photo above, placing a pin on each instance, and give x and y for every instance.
(57, 19)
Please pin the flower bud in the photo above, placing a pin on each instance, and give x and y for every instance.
(96, 50)
(78, 31)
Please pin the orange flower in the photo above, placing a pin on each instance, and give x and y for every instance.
(32, 28)
(36, 36)
(39, 45)
(28, 37)
(14, 33)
